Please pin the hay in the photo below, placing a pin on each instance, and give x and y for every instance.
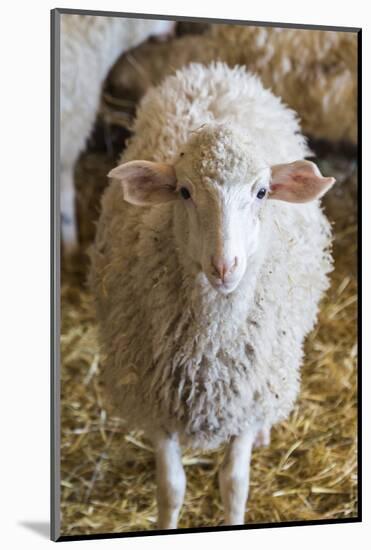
(308, 472)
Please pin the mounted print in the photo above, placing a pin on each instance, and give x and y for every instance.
(205, 230)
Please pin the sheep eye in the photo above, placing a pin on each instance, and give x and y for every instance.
(185, 193)
(261, 193)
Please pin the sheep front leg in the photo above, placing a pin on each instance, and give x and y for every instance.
(171, 479)
(234, 477)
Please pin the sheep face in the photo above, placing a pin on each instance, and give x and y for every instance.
(223, 186)
(223, 225)
(220, 185)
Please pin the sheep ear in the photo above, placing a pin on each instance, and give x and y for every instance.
(299, 181)
(145, 183)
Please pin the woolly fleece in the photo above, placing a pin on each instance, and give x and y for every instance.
(89, 47)
(313, 71)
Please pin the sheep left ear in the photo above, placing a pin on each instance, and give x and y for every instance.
(299, 181)
(146, 183)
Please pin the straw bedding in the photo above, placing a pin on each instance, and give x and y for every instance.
(308, 472)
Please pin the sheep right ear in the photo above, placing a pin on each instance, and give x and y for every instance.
(299, 181)
(145, 183)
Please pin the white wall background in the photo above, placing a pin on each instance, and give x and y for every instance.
(24, 272)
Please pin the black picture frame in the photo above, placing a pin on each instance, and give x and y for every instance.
(56, 263)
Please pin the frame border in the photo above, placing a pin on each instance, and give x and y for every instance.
(245, 22)
(55, 418)
(55, 274)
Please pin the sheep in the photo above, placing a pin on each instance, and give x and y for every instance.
(89, 47)
(204, 289)
(313, 71)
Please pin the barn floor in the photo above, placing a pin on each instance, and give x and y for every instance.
(309, 472)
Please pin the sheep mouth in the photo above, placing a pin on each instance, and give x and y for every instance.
(223, 287)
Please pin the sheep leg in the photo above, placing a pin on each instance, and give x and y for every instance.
(234, 477)
(68, 220)
(171, 479)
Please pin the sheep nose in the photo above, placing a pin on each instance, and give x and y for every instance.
(222, 267)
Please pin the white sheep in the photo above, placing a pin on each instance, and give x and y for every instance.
(205, 289)
(89, 47)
